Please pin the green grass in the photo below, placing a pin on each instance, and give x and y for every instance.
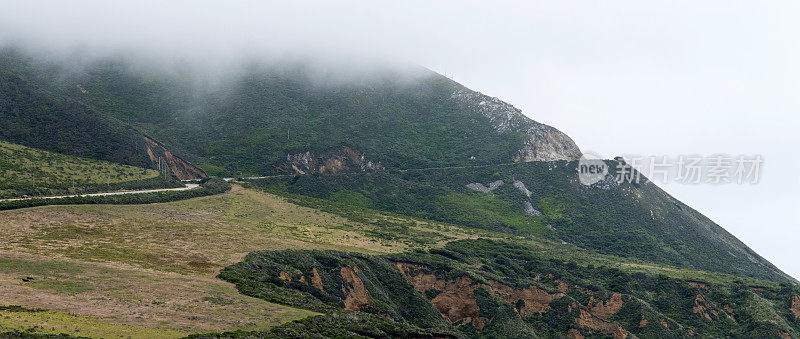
(165, 255)
(49, 322)
(629, 220)
(207, 187)
(25, 170)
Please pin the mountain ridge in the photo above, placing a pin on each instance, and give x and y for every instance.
(257, 118)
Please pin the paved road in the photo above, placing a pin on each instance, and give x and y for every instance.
(401, 171)
(188, 187)
(256, 178)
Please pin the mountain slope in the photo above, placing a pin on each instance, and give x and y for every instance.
(485, 288)
(35, 117)
(545, 199)
(288, 117)
(282, 117)
(30, 171)
(151, 267)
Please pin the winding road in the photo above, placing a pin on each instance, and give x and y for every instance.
(187, 187)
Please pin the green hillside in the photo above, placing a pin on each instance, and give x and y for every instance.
(486, 288)
(36, 118)
(25, 170)
(267, 115)
(630, 220)
(403, 205)
(251, 121)
(141, 271)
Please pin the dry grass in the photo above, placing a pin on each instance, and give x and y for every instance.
(154, 266)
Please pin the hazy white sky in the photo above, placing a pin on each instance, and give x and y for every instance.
(620, 77)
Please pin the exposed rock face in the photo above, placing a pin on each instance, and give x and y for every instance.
(344, 159)
(547, 144)
(456, 300)
(529, 210)
(316, 280)
(535, 300)
(544, 143)
(574, 334)
(162, 157)
(356, 296)
(703, 309)
(481, 188)
(522, 188)
(605, 310)
(588, 320)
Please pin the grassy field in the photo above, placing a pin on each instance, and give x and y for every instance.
(100, 270)
(25, 170)
(49, 322)
(154, 266)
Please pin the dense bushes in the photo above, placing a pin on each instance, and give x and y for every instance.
(250, 123)
(66, 189)
(668, 306)
(640, 221)
(259, 276)
(36, 118)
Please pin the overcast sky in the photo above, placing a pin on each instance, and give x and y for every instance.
(620, 77)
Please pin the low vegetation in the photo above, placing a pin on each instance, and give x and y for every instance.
(491, 288)
(336, 324)
(20, 322)
(34, 172)
(249, 124)
(35, 117)
(154, 266)
(207, 187)
(635, 220)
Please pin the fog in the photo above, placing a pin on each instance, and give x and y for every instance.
(622, 77)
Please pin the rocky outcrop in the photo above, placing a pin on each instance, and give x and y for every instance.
(544, 143)
(547, 144)
(356, 296)
(534, 299)
(475, 186)
(529, 210)
(456, 299)
(162, 159)
(522, 188)
(344, 159)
